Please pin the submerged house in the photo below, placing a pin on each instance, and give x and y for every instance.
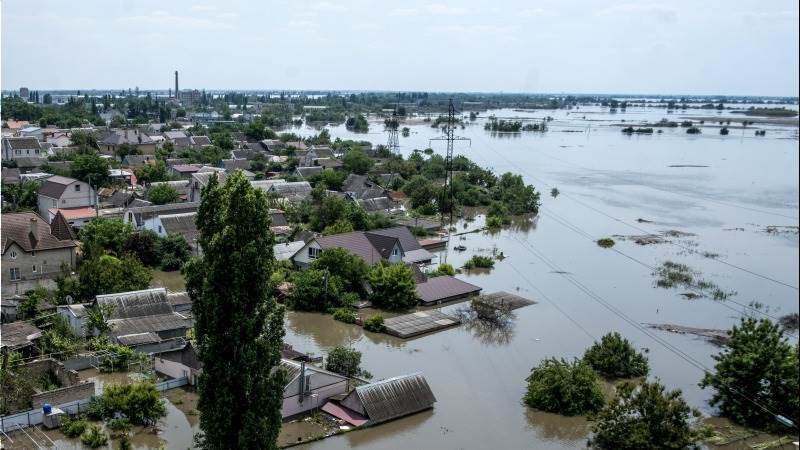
(385, 400)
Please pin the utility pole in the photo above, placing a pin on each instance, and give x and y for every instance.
(448, 201)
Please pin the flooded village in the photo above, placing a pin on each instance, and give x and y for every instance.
(547, 226)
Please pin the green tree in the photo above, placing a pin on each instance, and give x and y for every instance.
(173, 252)
(758, 363)
(350, 269)
(615, 357)
(104, 235)
(144, 245)
(162, 194)
(356, 161)
(315, 290)
(421, 191)
(562, 387)
(21, 197)
(338, 227)
(519, 198)
(87, 139)
(332, 179)
(140, 403)
(107, 274)
(91, 168)
(393, 286)
(123, 150)
(344, 361)
(150, 173)
(644, 416)
(238, 325)
(443, 269)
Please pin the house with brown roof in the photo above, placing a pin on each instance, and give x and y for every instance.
(18, 147)
(144, 144)
(184, 171)
(33, 252)
(59, 192)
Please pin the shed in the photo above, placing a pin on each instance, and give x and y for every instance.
(18, 335)
(444, 289)
(391, 398)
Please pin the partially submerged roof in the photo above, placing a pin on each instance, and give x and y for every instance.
(444, 288)
(395, 397)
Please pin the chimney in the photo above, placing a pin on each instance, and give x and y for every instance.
(176, 84)
(33, 227)
(301, 385)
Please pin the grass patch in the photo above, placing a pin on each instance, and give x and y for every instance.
(345, 315)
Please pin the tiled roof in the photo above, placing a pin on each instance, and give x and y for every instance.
(201, 140)
(74, 213)
(181, 223)
(233, 164)
(16, 229)
(62, 230)
(133, 136)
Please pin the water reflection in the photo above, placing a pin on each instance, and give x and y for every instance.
(555, 427)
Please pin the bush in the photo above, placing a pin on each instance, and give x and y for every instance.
(120, 425)
(494, 222)
(375, 324)
(693, 130)
(72, 428)
(140, 403)
(760, 361)
(644, 416)
(615, 357)
(605, 242)
(481, 262)
(562, 387)
(443, 269)
(345, 315)
(94, 437)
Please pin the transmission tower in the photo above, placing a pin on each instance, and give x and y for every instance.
(448, 198)
(393, 141)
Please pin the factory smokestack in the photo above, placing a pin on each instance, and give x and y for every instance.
(176, 84)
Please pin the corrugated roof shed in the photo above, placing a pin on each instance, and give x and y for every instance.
(395, 397)
(131, 304)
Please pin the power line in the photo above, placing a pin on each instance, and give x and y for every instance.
(672, 348)
(734, 266)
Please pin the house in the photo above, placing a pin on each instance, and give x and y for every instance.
(201, 141)
(19, 337)
(174, 134)
(199, 181)
(184, 171)
(359, 187)
(122, 176)
(379, 204)
(442, 289)
(29, 164)
(182, 224)
(180, 301)
(146, 217)
(392, 244)
(137, 160)
(180, 186)
(10, 176)
(116, 138)
(31, 131)
(385, 400)
(75, 217)
(64, 192)
(317, 152)
(273, 145)
(75, 316)
(32, 252)
(292, 191)
(308, 172)
(138, 318)
(307, 388)
(285, 251)
(18, 147)
(232, 165)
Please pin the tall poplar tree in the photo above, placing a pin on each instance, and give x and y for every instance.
(238, 325)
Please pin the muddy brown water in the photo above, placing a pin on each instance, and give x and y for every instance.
(607, 181)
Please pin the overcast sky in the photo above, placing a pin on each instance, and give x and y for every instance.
(737, 47)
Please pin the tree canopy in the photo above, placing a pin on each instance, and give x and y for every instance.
(357, 161)
(393, 286)
(569, 388)
(758, 363)
(615, 357)
(238, 325)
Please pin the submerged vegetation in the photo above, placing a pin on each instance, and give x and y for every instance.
(672, 275)
(563, 387)
(605, 242)
(615, 357)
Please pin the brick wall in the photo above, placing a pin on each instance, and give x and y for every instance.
(65, 376)
(58, 396)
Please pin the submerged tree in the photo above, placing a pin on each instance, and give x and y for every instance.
(238, 325)
(615, 357)
(563, 387)
(645, 416)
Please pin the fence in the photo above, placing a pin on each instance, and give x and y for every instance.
(12, 422)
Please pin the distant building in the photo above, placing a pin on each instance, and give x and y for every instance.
(144, 144)
(24, 93)
(190, 96)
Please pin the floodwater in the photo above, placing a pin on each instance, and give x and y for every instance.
(607, 181)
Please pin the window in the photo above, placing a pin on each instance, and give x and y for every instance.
(55, 204)
(17, 152)
(13, 254)
(314, 252)
(396, 251)
(34, 268)
(159, 229)
(14, 273)
(77, 188)
(63, 201)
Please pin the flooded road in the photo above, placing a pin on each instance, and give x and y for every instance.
(607, 182)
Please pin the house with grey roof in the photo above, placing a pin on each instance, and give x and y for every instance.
(64, 193)
(360, 187)
(308, 172)
(385, 400)
(232, 165)
(33, 252)
(199, 180)
(146, 217)
(18, 147)
(137, 160)
(293, 191)
(138, 318)
(29, 164)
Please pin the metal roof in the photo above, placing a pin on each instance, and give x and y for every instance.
(444, 288)
(395, 397)
(131, 304)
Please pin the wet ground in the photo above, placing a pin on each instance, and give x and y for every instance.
(725, 190)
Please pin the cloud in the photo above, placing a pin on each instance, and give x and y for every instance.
(661, 13)
(445, 10)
